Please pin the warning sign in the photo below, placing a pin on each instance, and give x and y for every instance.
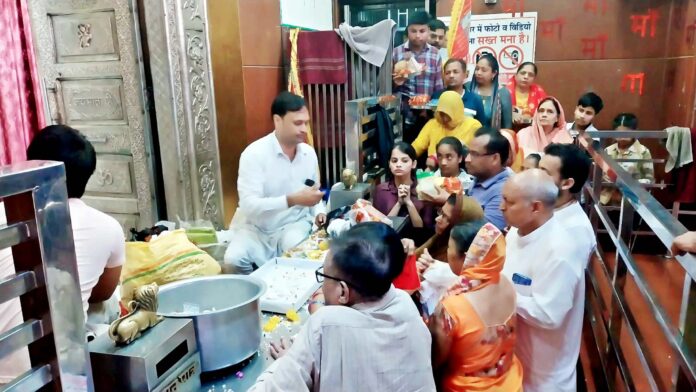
(511, 57)
(483, 50)
(511, 39)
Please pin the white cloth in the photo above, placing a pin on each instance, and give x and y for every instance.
(378, 346)
(575, 221)
(550, 310)
(17, 362)
(679, 148)
(444, 55)
(99, 244)
(370, 43)
(263, 225)
(252, 246)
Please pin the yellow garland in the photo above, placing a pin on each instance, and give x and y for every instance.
(294, 84)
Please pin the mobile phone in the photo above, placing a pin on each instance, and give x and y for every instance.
(309, 182)
(521, 279)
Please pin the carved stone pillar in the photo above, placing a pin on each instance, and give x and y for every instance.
(179, 59)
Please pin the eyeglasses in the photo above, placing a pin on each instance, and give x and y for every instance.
(320, 275)
(476, 154)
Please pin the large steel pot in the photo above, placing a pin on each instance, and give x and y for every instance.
(226, 315)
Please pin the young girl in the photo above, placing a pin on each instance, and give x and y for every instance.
(397, 196)
(629, 148)
(450, 155)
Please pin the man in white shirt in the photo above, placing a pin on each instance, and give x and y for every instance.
(589, 105)
(369, 336)
(548, 278)
(276, 202)
(100, 244)
(569, 167)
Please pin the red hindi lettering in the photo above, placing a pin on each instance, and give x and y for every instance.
(594, 6)
(691, 34)
(639, 23)
(548, 27)
(633, 78)
(591, 45)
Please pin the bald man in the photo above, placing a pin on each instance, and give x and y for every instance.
(542, 263)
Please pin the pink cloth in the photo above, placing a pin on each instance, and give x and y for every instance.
(21, 108)
(534, 139)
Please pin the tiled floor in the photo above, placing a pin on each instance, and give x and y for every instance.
(665, 279)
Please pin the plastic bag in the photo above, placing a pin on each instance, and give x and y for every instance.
(163, 260)
(436, 280)
(363, 211)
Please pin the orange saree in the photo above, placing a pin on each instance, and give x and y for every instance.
(478, 314)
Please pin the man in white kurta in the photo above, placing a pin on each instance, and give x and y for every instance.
(369, 336)
(569, 167)
(548, 278)
(276, 206)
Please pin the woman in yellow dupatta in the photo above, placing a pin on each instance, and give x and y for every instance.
(449, 121)
(473, 327)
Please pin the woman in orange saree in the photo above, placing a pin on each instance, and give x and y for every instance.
(473, 327)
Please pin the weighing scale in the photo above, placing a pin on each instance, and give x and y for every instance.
(164, 359)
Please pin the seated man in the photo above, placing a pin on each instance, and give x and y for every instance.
(100, 244)
(488, 153)
(369, 336)
(547, 272)
(455, 75)
(276, 206)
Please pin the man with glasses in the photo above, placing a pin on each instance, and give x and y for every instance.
(488, 152)
(369, 336)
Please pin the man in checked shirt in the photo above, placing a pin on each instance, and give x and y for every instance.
(429, 81)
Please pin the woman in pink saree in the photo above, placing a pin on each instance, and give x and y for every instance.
(548, 126)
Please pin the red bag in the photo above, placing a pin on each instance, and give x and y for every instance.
(408, 279)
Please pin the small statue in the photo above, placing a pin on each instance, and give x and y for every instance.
(348, 178)
(141, 316)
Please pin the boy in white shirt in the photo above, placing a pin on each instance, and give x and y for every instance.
(99, 240)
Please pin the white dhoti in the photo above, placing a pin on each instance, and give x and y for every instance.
(252, 247)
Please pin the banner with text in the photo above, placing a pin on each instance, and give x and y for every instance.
(511, 39)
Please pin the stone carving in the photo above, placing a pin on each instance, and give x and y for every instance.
(199, 91)
(193, 6)
(104, 177)
(94, 103)
(125, 63)
(178, 93)
(208, 185)
(84, 34)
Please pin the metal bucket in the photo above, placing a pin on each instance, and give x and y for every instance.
(225, 312)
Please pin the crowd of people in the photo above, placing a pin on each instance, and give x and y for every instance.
(513, 244)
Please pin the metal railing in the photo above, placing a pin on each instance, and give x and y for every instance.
(328, 116)
(619, 344)
(361, 136)
(38, 230)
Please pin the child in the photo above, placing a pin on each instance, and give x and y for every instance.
(397, 196)
(531, 162)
